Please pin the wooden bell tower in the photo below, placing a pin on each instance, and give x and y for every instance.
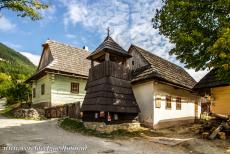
(109, 96)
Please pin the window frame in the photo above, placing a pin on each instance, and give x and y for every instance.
(158, 104)
(43, 89)
(72, 88)
(168, 100)
(178, 102)
(133, 62)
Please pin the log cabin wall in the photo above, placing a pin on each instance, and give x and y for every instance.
(108, 68)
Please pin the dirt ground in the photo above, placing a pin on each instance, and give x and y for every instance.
(18, 132)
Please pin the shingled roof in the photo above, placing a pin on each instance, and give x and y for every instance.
(65, 59)
(162, 69)
(211, 80)
(110, 46)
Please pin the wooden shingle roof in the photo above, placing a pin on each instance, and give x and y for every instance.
(164, 70)
(64, 59)
(212, 80)
(68, 58)
(109, 45)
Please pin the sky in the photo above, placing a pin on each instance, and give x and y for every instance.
(84, 23)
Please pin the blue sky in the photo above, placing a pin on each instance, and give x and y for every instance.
(80, 23)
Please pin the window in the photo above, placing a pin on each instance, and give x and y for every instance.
(133, 62)
(34, 92)
(42, 89)
(75, 87)
(178, 103)
(158, 101)
(168, 102)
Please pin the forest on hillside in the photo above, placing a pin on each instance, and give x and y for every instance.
(14, 70)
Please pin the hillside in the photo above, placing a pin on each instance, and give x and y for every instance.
(14, 64)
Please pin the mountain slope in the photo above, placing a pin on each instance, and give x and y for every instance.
(14, 64)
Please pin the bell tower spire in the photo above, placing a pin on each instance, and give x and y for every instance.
(108, 31)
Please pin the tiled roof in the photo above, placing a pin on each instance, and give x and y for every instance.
(112, 46)
(212, 80)
(164, 70)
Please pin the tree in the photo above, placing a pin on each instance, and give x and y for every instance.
(18, 92)
(200, 31)
(5, 83)
(25, 8)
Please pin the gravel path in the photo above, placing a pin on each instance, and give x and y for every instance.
(17, 132)
(31, 133)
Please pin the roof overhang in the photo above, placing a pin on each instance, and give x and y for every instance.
(161, 80)
(94, 55)
(46, 71)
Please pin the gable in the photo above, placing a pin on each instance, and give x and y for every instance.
(46, 58)
(137, 60)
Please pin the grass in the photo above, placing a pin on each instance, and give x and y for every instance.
(8, 111)
(78, 126)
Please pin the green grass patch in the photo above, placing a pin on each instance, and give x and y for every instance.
(74, 125)
(8, 111)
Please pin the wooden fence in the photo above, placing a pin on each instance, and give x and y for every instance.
(67, 110)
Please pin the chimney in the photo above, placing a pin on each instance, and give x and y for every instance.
(86, 48)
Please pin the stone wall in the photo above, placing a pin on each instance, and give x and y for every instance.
(102, 127)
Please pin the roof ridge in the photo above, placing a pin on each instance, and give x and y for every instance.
(65, 44)
(160, 57)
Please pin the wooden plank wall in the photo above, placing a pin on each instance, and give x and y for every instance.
(67, 110)
(109, 68)
(221, 103)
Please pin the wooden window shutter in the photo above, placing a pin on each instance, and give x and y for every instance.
(178, 103)
(74, 87)
(168, 102)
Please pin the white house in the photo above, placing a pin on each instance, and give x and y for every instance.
(61, 75)
(162, 90)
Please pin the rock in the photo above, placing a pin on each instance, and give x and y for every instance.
(26, 113)
(102, 127)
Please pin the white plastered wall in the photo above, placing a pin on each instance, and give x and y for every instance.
(187, 104)
(144, 96)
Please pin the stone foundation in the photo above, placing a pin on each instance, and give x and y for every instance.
(174, 122)
(102, 127)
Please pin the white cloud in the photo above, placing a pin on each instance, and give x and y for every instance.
(71, 36)
(48, 15)
(6, 24)
(129, 21)
(32, 57)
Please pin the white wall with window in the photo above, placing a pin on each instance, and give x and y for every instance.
(67, 90)
(41, 90)
(164, 105)
(172, 104)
